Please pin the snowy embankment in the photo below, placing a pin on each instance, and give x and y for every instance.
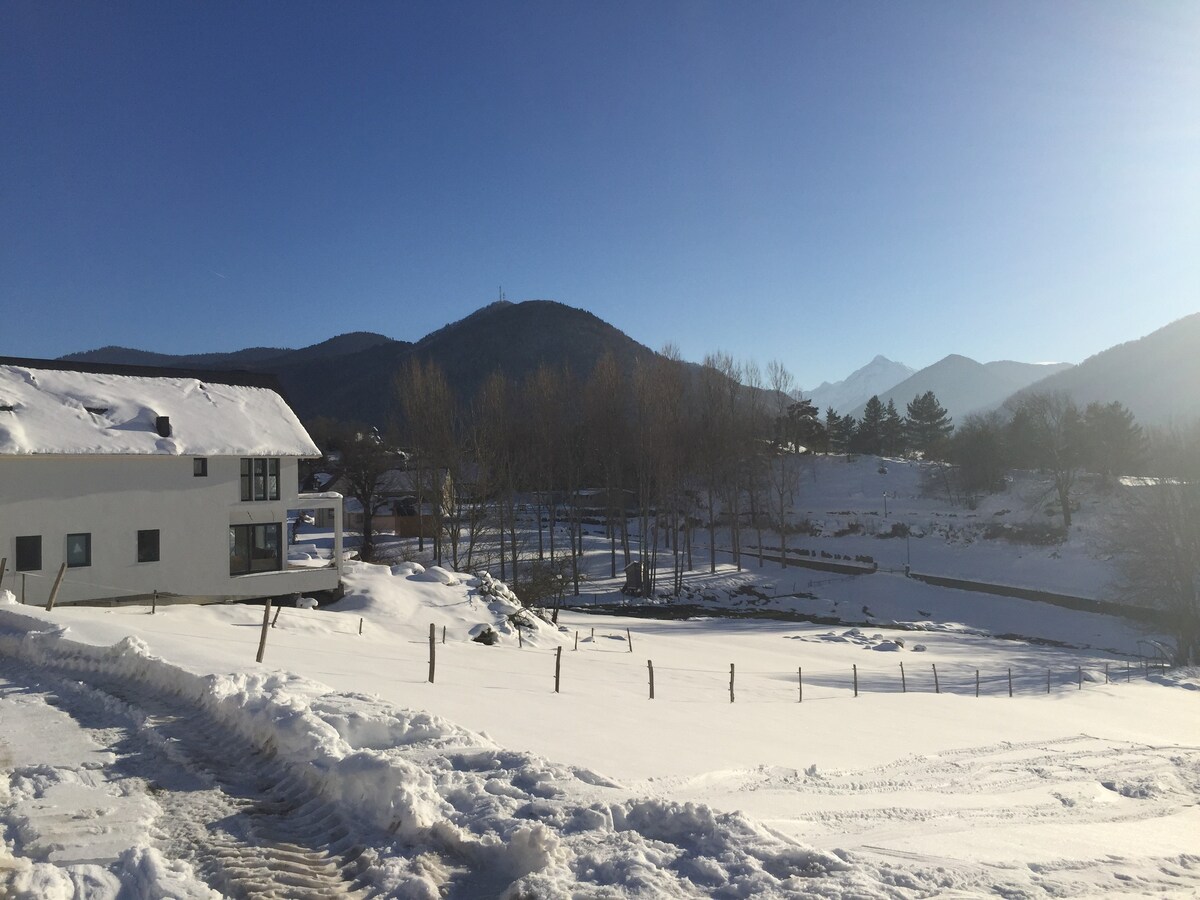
(900, 791)
(444, 808)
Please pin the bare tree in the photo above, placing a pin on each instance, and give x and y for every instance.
(364, 461)
(1155, 541)
(783, 474)
(605, 405)
(1049, 429)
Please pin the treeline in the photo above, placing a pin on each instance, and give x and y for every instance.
(669, 446)
(679, 448)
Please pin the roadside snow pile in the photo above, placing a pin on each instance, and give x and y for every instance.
(445, 807)
(465, 605)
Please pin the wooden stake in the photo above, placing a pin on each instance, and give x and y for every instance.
(577, 640)
(629, 639)
(1106, 673)
(432, 650)
(731, 682)
(557, 667)
(903, 680)
(3, 566)
(154, 602)
(1047, 681)
(1080, 677)
(443, 634)
(593, 632)
(856, 679)
(54, 590)
(937, 688)
(275, 618)
(800, 682)
(262, 640)
(22, 588)
(360, 624)
(976, 682)
(1010, 681)
(520, 640)
(650, 666)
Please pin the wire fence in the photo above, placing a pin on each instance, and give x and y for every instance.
(599, 654)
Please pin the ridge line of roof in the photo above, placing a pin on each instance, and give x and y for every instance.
(233, 377)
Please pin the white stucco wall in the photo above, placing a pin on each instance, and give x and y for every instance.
(113, 497)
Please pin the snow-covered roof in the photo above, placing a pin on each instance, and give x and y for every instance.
(45, 409)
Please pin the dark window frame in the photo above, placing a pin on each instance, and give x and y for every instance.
(259, 478)
(87, 550)
(149, 544)
(28, 545)
(251, 550)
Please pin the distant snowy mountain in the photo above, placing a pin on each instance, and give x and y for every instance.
(964, 386)
(877, 376)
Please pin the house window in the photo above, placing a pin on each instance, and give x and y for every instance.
(79, 550)
(255, 548)
(148, 545)
(260, 479)
(29, 553)
(200, 467)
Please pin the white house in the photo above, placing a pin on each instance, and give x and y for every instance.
(144, 480)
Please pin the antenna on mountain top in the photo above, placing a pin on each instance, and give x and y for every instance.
(502, 293)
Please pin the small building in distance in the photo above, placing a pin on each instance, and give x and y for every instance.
(141, 479)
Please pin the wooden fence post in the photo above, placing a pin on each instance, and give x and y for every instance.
(903, 680)
(629, 639)
(3, 566)
(1010, 681)
(576, 640)
(1127, 672)
(54, 590)
(557, 667)
(937, 688)
(432, 650)
(856, 679)
(22, 588)
(1106, 673)
(275, 618)
(1047, 681)
(1081, 678)
(443, 634)
(976, 682)
(520, 640)
(731, 682)
(262, 640)
(800, 682)
(650, 666)
(360, 624)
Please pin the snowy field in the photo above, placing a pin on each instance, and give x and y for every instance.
(151, 756)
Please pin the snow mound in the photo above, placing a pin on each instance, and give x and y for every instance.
(407, 568)
(438, 574)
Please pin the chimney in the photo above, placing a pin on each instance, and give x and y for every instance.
(162, 424)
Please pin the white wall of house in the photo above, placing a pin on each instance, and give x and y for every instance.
(112, 497)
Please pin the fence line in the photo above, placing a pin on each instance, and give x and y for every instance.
(716, 684)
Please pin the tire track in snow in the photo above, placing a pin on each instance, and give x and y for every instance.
(247, 826)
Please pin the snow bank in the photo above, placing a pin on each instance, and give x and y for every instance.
(543, 829)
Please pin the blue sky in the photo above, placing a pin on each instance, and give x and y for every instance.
(809, 182)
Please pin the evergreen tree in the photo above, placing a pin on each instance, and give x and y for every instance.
(1113, 442)
(894, 443)
(833, 431)
(869, 436)
(800, 427)
(928, 424)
